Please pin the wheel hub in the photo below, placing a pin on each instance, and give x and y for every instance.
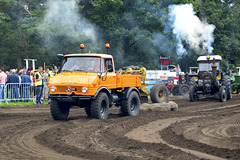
(162, 94)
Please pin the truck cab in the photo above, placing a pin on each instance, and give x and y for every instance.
(82, 73)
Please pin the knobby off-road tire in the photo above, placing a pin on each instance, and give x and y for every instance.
(227, 83)
(131, 105)
(159, 93)
(87, 108)
(100, 106)
(88, 111)
(222, 94)
(193, 96)
(175, 90)
(59, 111)
(184, 89)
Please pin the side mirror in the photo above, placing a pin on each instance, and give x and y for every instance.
(60, 59)
(60, 56)
(99, 74)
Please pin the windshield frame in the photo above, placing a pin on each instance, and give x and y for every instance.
(81, 58)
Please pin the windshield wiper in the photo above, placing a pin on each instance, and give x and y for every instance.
(66, 71)
(80, 70)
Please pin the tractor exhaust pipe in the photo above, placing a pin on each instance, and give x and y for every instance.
(214, 69)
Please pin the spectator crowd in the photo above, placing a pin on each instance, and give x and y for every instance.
(25, 84)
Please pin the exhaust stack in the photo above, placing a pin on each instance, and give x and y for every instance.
(214, 69)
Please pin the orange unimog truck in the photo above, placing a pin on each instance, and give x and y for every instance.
(91, 82)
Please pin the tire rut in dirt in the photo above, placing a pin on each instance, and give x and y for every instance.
(209, 134)
(17, 135)
(85, 138)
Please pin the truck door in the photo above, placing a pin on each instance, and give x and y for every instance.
(109, 75)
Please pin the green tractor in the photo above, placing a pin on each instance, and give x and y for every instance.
(236, 82)
(210, 80)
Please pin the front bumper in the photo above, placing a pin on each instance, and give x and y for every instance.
(70, 98)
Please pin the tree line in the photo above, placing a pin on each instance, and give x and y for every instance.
(128, 25)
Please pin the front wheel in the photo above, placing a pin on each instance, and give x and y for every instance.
(227, 83)
(88, 111)
(222, 94)
(193, 95)
(131, 105)
(100, 106)
(59, 110)
(184, 89)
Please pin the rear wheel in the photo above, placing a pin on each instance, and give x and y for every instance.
(175, 90)
(184, 89)
(131, 105)
(159, 93)
(222, 94)
(59, 110)
(100, 106)
(193, 95)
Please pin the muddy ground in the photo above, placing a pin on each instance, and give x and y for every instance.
(207, 129)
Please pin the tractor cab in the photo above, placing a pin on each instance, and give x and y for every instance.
(205, 66)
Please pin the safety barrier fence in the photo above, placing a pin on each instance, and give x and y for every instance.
(15, 92)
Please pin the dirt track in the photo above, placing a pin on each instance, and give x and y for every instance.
(206, 129)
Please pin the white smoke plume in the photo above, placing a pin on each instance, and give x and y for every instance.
(189, 29)
(62, 18)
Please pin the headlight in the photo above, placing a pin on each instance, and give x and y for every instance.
(84, 89)
(53, 89)
(218, 77)
(195, 78)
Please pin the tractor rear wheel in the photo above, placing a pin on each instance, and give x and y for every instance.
(175, 90)
(183, 89)
(131, 105)
(227, 83)
(159, 93)
(59, 110)
(100, 106)
(222, 94)
(193, 95)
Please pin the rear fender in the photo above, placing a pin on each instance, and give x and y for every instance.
(128, 91)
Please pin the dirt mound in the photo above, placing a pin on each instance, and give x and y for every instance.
(165, 106)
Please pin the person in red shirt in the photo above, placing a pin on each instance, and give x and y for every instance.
(3, 80)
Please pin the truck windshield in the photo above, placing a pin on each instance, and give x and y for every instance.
(81, 64)
(205, 66)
